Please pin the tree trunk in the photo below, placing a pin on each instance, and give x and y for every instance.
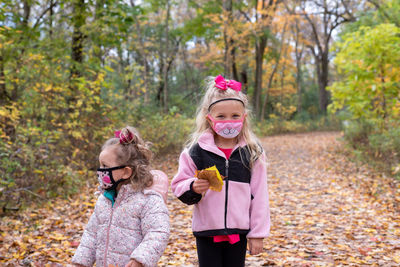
(167, 68)
(260, 44)
(77, 38)
(142, 54)
(260, 49)
(160, 72)
(166, 55)
(51, 19)
(278, 59)
(4, 98)
(235, 74)
(228, 63)
(298, 56)
(98, 15)
(323, 82)
(243, 79)
(22, 39)
(271, 78)
(27, 12)
(331, 15)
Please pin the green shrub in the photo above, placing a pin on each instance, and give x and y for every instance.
(380, 147)
(167, 133)
(356, 132)
(276, 125)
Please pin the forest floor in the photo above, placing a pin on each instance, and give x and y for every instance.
(326, 210)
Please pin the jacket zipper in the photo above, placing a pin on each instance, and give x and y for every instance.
(108, 233)
(226, 191)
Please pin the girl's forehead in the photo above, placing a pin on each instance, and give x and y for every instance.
(108, 155)
(228, 106)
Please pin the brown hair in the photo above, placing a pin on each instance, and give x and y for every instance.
(132, 151)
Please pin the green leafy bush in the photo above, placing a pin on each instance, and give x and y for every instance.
(50, 138)
(278, 125)
(367, 95)
(167, 132)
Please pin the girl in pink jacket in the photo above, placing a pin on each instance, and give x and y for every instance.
(130, 223)
(223, 222)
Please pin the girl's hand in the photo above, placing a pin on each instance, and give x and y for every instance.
(133, 263)
(200, 186)
(255, 245)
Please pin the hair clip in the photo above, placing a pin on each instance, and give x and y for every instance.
(124, 139)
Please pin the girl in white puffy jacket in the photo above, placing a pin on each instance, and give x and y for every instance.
(130, 223)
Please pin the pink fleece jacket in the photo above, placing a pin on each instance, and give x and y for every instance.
(248, 204)
(136, 227)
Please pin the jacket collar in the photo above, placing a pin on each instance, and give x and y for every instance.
(206, 141)
(126, 191)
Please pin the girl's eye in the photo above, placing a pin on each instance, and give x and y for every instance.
(220, 117)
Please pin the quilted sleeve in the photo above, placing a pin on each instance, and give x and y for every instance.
(155, 230)
(86, 251)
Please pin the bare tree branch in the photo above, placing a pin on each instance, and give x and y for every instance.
(52, 5)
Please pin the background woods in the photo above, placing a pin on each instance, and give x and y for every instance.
(72, 71)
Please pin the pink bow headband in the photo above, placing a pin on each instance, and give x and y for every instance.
(124, 139)
(222, 84)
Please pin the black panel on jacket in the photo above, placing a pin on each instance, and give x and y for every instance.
(215, 232)
(239, 166)
(190, 197)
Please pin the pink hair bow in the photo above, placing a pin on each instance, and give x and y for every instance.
(222, 84)
(123, 139)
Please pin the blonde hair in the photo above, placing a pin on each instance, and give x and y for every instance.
(132, 151)
(213, 94)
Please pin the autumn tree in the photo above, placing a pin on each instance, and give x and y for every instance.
(388, 10)
(324, 17)
(369, 61)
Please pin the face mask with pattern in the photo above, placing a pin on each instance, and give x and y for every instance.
(227, 128)
(105, 177)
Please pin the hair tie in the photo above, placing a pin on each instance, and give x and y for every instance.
(222, 84)
(124, 138)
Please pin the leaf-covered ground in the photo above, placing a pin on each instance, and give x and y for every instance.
(325, 210)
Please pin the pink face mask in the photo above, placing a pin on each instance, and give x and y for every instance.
(227, 129)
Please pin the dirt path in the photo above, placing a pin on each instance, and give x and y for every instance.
(325, 211)
(322, 212)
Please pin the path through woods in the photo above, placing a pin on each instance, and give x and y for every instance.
(325, 211)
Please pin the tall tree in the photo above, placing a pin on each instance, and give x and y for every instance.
(369, 61)
(299, 50)
(389, 9)
(263, 17)
(277, 60)
(143, 55)
(166, 55)
(78, 21)
(296, 26)
(229, 49)
(324, 17)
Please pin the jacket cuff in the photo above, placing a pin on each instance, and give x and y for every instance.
(190, 197)
(84, 256)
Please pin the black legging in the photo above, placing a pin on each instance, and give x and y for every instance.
(221, 254)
